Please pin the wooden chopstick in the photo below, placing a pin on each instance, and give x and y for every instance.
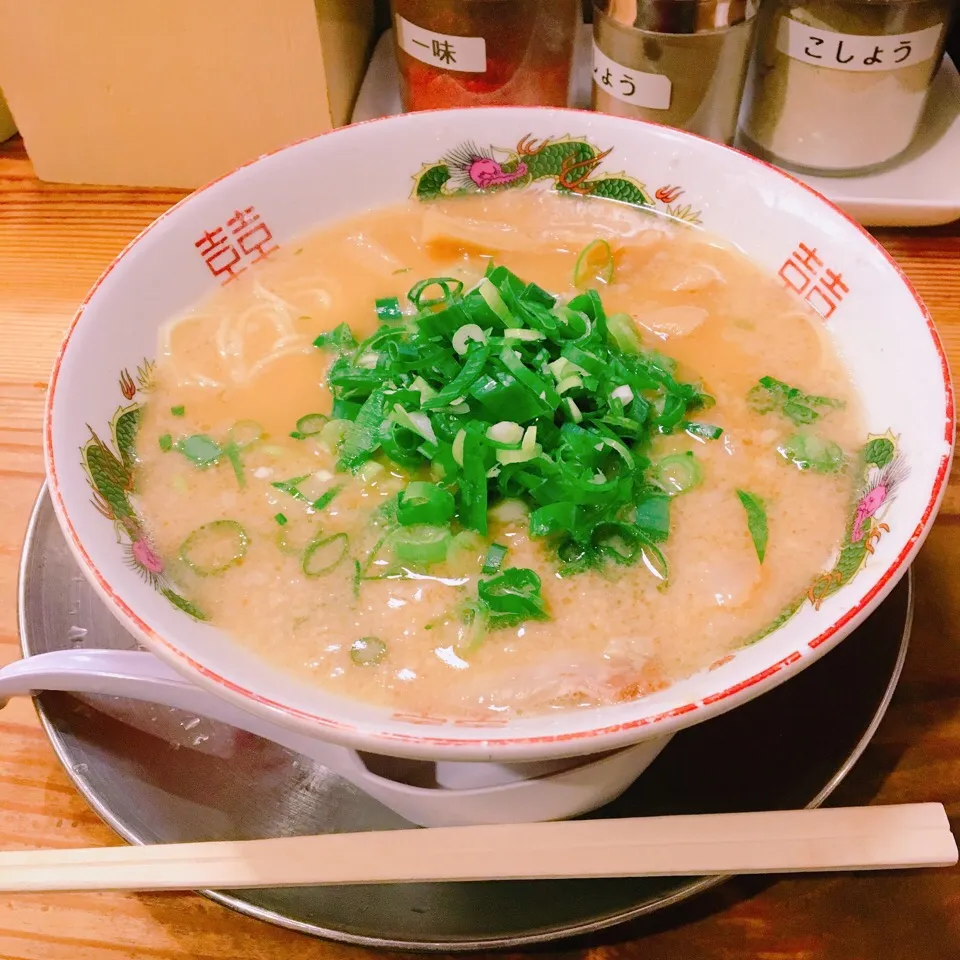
(854, 838)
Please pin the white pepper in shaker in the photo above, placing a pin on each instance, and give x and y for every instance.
(682, 63)
(838, 87)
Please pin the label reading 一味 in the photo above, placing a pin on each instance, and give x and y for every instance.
(443, 50)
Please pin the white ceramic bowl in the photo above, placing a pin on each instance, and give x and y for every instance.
(881, 327)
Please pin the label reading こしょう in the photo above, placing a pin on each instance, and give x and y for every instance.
(851, 51)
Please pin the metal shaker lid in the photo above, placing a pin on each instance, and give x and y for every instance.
(678, 16)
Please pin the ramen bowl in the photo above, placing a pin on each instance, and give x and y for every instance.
(878, 323)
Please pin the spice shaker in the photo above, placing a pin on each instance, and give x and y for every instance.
(678, 62)
(838, 87)
(463, 53)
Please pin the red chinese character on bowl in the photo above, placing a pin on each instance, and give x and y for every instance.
(805, 274)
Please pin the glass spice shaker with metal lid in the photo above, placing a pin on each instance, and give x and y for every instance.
(838, 87)
(678, 62)
(465, 53)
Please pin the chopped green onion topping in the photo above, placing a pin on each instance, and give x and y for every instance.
(423, 502)
(388, 309)
(774, 396)
(368, 651)
(178, 411)
(756, 521)
(214, 547)
(595, 262)
(280, 518)
(166, 442)
(322, 556)
(493, 559)
(503, 393)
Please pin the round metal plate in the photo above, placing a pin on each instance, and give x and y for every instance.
(161, 776)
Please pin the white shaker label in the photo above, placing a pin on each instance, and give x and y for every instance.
(651, 90)
(443, 50)
(850, 51)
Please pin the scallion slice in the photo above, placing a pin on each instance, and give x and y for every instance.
(388, 309)
(368, 651)
(808, 452)
(678, 472)
(292, 487)
(466, 333)
(493, 559)
(506, 435)
(326, 498)
(774, 396)
(166, 442)
(214, 547)
(200, 449)
(245, 433)
(339, 338)
(512, 597)
(424, 503)
(595, 262)
(756, 521)
(332, 433)
(324, 555)
(448, 286)
(623, 331)
(420, 543)
(310, 425)
(491, 296)
(702, 431)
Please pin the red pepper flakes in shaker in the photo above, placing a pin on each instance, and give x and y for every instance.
(468, 53)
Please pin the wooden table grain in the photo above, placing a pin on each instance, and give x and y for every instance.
(54, 242)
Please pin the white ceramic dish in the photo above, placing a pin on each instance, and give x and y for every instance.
(879, 324)
(921, 189)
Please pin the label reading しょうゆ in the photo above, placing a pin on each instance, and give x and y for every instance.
(443, 50)
(850, 51)
(650, 90)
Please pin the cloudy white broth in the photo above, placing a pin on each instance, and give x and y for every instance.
(497, 455)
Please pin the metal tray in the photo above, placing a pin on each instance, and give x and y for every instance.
(157, 775)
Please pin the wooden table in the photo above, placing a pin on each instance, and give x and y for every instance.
(54, 241)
